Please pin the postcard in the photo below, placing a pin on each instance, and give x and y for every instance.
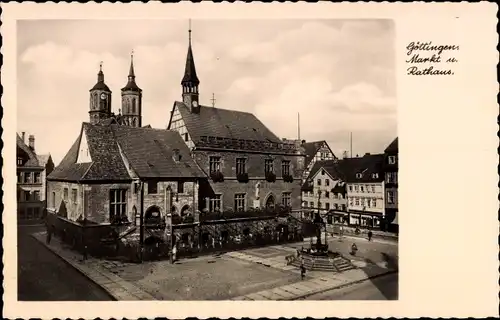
(250, 160)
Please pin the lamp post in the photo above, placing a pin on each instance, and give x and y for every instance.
(141, 223)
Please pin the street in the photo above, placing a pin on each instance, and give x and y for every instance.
(382, 288)
(43, 276)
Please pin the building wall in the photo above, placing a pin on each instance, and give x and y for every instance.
(255, 165)
(327, 199)
(364, 192)
(177, 124)
(30, 195)
(93, 200)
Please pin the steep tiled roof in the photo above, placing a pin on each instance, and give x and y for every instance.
(32, 157)
(43, 159)
(149, 152)
(366, 165)
(225, 124)
(393, 147)
(311, 148)
(330, 166)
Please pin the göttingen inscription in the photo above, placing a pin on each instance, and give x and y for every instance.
(424, 56)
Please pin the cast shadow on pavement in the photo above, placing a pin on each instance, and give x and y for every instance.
(387, 285)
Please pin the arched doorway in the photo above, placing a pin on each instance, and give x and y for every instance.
(270, 202)
(152, 216)
(185, 210)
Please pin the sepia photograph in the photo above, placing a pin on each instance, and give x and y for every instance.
(207, 160)
(249, 160)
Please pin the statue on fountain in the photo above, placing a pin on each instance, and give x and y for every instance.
(320, 248)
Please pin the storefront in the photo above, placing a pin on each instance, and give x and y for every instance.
(365, 219)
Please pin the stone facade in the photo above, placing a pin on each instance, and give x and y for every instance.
(255, 167)
(92, 201)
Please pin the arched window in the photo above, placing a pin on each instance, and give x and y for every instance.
(185, 210)
(133, 105)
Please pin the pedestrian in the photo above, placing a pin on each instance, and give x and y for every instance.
(354, 249)
(370, 234)
(302, 271)
(298, 253)
(174, 253)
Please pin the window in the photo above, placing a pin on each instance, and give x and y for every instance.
(359, 175)
(362, 201)
(391, 177)
(186, 137)
(37, 177)
(285, 168)
(343, 207)
(327, 182)
(215, 203)
(19, 161)
(239, 202)
(311, 204)
(27, 177)
(74, 195)
(392, 159)
(26, 196)
(351, 202)
(286, 199)
(373, 188)
(350, 188)
(65, 194)
(241, 166)
(356, 188)
(362, 188)
(327, 194)
(180, 187)
(53, 199)
(390, 197)
(36, 195)
(117, 203)
(214, 164)
(368, 202)
(335, 206)
(152, 187)
(323, 172)
(19, 177)
(319, 182)
(357, 201)
(375, 176)
(374, 203)
(327, 206)
(268, 165)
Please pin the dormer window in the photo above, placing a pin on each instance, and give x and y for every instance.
(392, 159)
(375, 176)
(359, 175)
(19, 161)
(177, 155)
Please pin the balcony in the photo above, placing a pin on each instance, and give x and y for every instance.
(280, 211)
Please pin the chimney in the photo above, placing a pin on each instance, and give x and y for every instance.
(303, 141)
(31, 142)
(23, 135)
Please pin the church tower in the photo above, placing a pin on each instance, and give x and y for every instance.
(131, 100)
(190, 82)
(100, 100)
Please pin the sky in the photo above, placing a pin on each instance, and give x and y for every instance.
(339, 75)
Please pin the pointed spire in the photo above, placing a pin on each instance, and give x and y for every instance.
(190, 77)
(131, 85)
(100, 75)
(131, 73)
(100, 85)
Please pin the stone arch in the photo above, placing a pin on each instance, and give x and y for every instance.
(185, 210)
(152, 215)
(270, 201)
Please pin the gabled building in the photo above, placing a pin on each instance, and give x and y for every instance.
(32, 170)
(316, 151)
(113, 173)
(247, 164)
(324, 188)
(364, 177)
(391, 164)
